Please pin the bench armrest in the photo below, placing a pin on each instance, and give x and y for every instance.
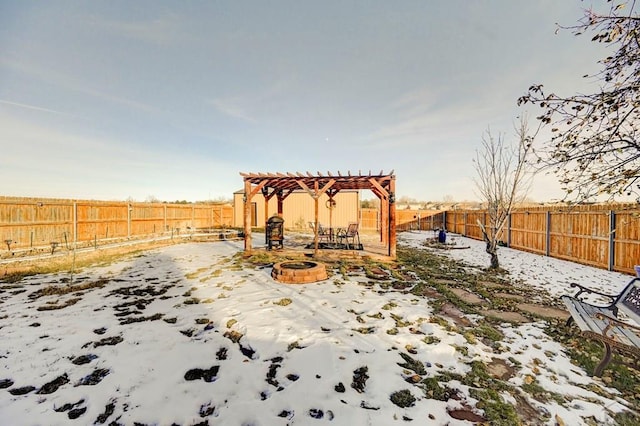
(615, 322)
(583, 289)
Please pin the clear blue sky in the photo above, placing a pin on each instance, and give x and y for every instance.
(172, 99)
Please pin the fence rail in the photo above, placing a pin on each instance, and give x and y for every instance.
(28, 223)
(406, 220)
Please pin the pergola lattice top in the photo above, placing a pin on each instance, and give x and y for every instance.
(295, 181)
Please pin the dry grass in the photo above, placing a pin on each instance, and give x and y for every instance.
(15, 271)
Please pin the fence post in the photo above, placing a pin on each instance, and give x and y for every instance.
(547, 243)
(509, 230)
(612, 245)
(455, 221)
(165, 220)
(484, 220)
(464, 224)
(129, 208)
(75, 223)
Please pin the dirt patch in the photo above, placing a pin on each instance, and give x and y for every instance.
(451, 311)
(445, 281)
(510, 296)
(468, 297)
(499, 369)
(95, 377)
(526, 411)
(466, 415)
(107, 341)
(514, 317)
(544, 311)
(360, 378)
(208, 375)
(377, 273)
(55, 306)
(490, 284)
(53, 385)
(427, 292)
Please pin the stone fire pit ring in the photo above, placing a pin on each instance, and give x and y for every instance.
(299, 272)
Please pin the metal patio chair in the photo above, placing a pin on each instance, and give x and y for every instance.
(324, 234)
(348, 237)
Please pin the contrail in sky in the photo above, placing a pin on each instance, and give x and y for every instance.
(32, 107)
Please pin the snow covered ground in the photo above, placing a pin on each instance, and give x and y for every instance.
(185, 335)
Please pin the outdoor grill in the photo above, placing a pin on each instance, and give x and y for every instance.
(274, 234)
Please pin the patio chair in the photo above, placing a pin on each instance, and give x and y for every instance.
(324, 234)
(348, 237)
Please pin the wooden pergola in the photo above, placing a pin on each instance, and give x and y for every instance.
(281, 185)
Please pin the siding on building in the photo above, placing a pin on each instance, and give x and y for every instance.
(298, 209)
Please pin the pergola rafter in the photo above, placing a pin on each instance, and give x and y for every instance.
(282, 185)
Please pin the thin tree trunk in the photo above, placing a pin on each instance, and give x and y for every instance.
(492, 250)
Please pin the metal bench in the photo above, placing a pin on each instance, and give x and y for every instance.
(602, 322)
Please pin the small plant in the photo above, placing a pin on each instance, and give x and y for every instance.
(433, 389)
(188, 293)
(231, 322)
(487, 331)
(283, 302)
(430, 340)
(403, 398)
(233, 335)
(462, 349)
(627, 418)
(412, 364)
(389, 306)
(194, 274)
(497, 411)
(399, 321)
(440, 321)
(293, 345)
(470, 338)
(365, 330)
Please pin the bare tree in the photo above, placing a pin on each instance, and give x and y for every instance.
(503, 180)
(595, 148)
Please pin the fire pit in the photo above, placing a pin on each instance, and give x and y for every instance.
(299, 272)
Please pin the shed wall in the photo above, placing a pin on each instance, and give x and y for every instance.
(298, 209)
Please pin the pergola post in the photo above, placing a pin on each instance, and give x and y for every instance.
(384, 220)
(280, 198)
(265, 194)
(316, 212)
(247, 217)
(392, 218)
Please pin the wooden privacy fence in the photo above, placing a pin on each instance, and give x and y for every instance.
(28, 223)
(606, 237)
(406, 220)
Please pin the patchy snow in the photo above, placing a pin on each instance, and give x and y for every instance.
(546, 273)
(262, 360)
